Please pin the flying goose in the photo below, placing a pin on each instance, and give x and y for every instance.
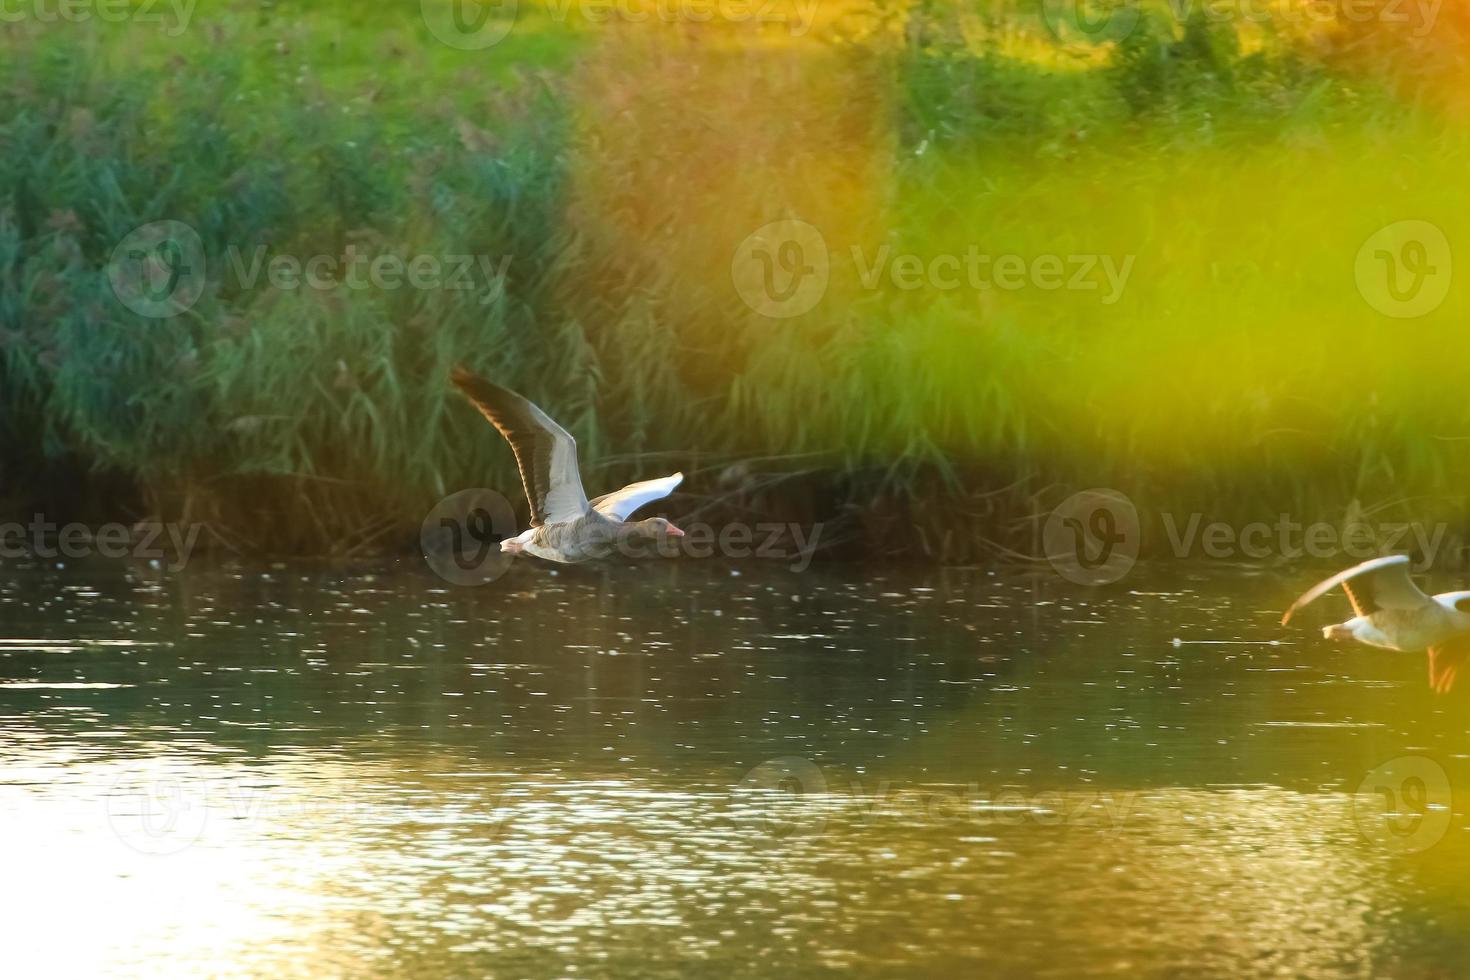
(1393, 614)
(565, 525)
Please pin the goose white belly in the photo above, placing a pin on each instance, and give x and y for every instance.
(528, 542)
(548, 554)
(590, 536)
(1404, 630)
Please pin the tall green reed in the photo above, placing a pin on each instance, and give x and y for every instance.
(1240, 375)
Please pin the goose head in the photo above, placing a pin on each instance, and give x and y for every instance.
(653, 530)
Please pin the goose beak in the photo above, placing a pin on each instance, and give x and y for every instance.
(674, 532)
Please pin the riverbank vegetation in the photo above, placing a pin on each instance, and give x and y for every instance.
(1053, 261)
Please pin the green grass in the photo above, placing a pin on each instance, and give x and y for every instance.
(1240, 372)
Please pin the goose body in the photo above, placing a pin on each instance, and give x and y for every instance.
(565, 526)
(1394, 614)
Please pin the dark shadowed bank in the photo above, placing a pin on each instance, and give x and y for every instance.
(578, 201)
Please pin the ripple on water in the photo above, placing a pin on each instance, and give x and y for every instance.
(315, 772)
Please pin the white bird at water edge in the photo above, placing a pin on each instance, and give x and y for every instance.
(1394, 614)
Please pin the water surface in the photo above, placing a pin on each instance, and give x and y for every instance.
(699, 769)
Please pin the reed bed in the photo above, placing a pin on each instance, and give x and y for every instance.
(1238, 371)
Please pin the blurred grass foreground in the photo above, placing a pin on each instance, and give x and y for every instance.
(922, 269)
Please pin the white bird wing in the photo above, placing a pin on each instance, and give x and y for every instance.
(545, 452)
(1379, 583)
(620, 504)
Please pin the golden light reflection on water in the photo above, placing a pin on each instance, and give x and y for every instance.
(305, 866)
(1065, 804)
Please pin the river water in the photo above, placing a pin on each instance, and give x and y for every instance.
(696, 769)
